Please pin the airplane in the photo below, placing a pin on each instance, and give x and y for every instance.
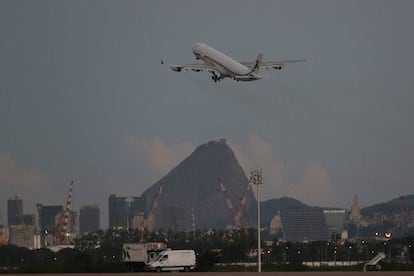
(222, 66)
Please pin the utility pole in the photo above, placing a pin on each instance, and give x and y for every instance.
(256, 178)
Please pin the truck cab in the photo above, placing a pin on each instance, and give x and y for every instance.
(173, 260)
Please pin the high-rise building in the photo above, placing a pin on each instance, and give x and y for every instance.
(15, 211)
(29, 219)
(118, 211)
(122, 210)
(276, 225)
(304, 225)
(4, 234)
(89, 219)
(137, 207)
(47, 221)
(22, 235)
(355, 215)
(335, 220)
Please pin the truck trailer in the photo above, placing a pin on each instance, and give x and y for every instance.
(136, 256)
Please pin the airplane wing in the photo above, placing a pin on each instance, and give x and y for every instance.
(273, 64)
(196, 67)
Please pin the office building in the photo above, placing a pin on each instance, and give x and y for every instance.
(15, 211)
(304, 225)
(355, 214)
(89, 219)
(47, 222)
(29, 219)
(4, 235)
(335, 221)
(22, 235)
(123, 210)
(276, 225)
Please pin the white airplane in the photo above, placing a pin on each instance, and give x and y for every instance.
(222, 66)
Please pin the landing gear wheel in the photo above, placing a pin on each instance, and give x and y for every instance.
(214, 77)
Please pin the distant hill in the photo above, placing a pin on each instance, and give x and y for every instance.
(391, 207)
(192, 194)
(270, 208)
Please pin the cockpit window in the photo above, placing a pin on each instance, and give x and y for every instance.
(161, 258)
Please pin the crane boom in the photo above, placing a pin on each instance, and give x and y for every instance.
(228, 200)
(150, 221)
(64, 219)
(229, 204)
(243, 201)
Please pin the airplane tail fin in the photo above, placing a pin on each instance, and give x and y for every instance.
(256, 65)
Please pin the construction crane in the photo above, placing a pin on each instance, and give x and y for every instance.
(236, 220)
(150, 221)
(240, 214)
(64, 219)
(232, 221)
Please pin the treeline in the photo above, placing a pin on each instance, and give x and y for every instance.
(101, 251)
(22, 260)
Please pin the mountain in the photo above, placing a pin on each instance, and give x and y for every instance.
(391, 207)
(191, 195)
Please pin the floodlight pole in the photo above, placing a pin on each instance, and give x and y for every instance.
(256, 178)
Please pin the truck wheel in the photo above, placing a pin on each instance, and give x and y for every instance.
(187, 269)
(158, 269)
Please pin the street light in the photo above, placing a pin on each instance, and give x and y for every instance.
(366, 248)
(285, 253)
(326, 253)
(256, 178)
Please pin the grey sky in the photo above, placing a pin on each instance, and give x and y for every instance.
(83, 96)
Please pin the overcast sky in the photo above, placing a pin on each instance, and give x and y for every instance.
(83, 96)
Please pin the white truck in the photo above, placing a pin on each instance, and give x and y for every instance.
(136, 255)
(170, 260)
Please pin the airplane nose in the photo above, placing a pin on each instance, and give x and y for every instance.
(195, 47)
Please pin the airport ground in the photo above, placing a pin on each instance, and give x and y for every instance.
(275, 273)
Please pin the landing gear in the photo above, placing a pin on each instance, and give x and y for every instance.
(215, 78)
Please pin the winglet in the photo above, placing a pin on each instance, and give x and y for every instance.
(257, 63)
(258, 60)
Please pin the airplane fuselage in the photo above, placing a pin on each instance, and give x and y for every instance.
(227, 66)
(222, 66)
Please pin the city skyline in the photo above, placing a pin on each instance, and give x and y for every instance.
(135, 203)
(83, 96)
